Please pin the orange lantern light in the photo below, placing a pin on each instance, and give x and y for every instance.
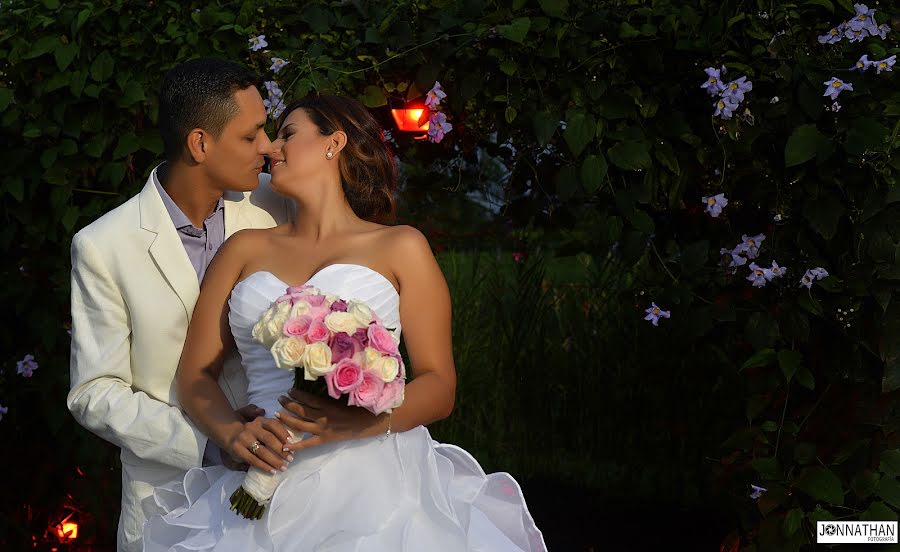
(67, 530)
(407, 119)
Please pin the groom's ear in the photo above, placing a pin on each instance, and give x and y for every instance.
(197, 142)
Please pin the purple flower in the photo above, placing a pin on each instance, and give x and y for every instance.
(757, 492)
(274, 103)
(277, 64)
(362, 336)
(343, 346)
(438, 127)
(736, 258)
(759, 275)
(735, 89)
(855, 36)
(750, 245)
(714, 204)
(725, 108)
(885, 64)
(3, 411)
(258, 43)
(713, 84)
(834, 35)
(26, 366)
(654, 313)
(339, 306)
(882, 30)
(812, 275)
(835, 86)
(273, 89)
(777, 271)
(863, 18)
(862, 64)
(434, 96)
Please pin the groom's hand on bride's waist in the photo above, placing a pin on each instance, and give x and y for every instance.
(250, 412)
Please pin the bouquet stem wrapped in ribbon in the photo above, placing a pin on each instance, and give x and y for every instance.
(336, 348)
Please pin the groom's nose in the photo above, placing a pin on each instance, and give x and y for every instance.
(264, 145)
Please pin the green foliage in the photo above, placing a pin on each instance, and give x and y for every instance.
(818, 369)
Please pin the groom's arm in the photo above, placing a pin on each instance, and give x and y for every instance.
(101, 397)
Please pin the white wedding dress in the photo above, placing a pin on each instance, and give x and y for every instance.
(403, 493)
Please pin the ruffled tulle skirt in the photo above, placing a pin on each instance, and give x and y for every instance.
(405, 492)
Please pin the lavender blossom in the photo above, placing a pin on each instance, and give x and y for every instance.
(757, 492)
(834, 35)
(777, 271)
(725, 108)
(735, 89)
(885, 64)
(835, 86)
(736, 258)
(759, 276)
(438, 127)
(862, 64)
(654, 313)
(812, 275)
(3, 411)
(713, 84)
(26, 366)
(750, 245)
(277, 64)
(434, 96)
(714, 204)
(258, 43)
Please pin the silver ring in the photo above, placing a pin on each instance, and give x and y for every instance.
(254, 447)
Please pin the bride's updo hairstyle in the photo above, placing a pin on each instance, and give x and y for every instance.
(368, 170)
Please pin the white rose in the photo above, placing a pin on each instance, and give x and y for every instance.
(282, 309)
(371, 358)
(361, 312)
(388, 369)
(329, 298)
(342, 322)
(288, 352)
(317, 360)
(274, 329)
(299, 309)
(259, 328)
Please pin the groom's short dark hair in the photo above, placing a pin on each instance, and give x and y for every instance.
(199, 94)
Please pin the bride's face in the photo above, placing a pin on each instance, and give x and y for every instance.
(301, 154)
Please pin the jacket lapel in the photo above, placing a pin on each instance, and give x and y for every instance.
(166, 248)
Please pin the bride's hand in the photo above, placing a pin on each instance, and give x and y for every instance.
(328, 420)
(270, 436)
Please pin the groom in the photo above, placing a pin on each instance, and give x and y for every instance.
(136, 275)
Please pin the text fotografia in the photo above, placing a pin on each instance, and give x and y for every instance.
(856, 531)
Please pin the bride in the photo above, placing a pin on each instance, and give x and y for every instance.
(356, 481)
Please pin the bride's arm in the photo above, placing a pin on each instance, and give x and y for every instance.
(425, 319)
(208, 340)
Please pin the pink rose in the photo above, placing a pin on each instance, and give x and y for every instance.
(391, 396)
(317, 332)
(315, 300)
(283, 298)
(367, 392)
(339, 306)
(298, 289)
(298, 326)
(343, 346)
(382, 340)
(319, 313)
(346, 377)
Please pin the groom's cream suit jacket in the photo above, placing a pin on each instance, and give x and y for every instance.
(133, 293)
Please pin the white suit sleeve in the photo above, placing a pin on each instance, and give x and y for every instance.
(101, 397)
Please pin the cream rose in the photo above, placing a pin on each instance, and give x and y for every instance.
(316, 360)
(371, 358)
(361, 312)
(342, 322)
(300, 308)
(388, 369)
(288, 352)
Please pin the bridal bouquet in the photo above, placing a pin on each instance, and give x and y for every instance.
(335, 347)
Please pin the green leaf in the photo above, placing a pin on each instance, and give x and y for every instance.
(878, 511)
(508, 66)
(41, 46)
(865, 483)
(821, 484)
(630, 155)
(824, 213)
(642, 221)
(95, 146)
(805, 378)
(580, 129)
(82, 18)
(128, 144)
(767, 467)
(890, 463)
(516, 30)
(824, 3)
(70, 217)
(789, 362)
(545, 124)
(567, 182)
(666, 155)
(820, 514)
(373, 96)
(802, 145)
(792, 521)
(131, 94)
(593, 172)
(510, 114)
(555, 8)
(15, 187)
(152, 143)
(64, 55)
(51, 4)
(764, 357)
(6, 98)
(102, 67)
(889, 490)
